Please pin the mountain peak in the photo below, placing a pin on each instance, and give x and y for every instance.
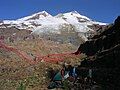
(35, 16)
(74, 12)
(42, 13)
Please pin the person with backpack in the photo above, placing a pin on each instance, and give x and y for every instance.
(57, 81)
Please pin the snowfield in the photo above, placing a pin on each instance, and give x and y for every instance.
(43, 22)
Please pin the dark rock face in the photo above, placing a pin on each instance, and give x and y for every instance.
(105, 48)
(105, 40)
(117, 21)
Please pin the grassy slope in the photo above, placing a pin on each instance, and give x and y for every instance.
(14, 70)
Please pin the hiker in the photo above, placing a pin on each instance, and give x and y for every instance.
(70, 73)
(58, 79)
(66, 73)
(74, 74)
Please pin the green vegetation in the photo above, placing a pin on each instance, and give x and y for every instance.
(21, 86)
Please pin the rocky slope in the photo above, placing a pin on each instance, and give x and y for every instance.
(15, 69)
(103, 51)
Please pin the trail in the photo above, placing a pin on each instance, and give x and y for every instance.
(21, 54)
(54, 58)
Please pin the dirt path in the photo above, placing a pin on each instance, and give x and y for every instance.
(48, 58)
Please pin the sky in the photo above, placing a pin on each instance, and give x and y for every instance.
(98, 10)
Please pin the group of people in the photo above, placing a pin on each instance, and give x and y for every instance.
(68, 72)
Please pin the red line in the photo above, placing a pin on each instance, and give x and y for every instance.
(47, 58)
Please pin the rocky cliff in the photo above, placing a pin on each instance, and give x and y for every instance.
(103, 56)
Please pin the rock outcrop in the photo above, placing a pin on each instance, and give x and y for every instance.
(104, 48)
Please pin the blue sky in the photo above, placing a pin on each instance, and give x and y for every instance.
(99, 10)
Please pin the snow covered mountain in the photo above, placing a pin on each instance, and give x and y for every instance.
(43, 18)
(74, 17)
(44, 24)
